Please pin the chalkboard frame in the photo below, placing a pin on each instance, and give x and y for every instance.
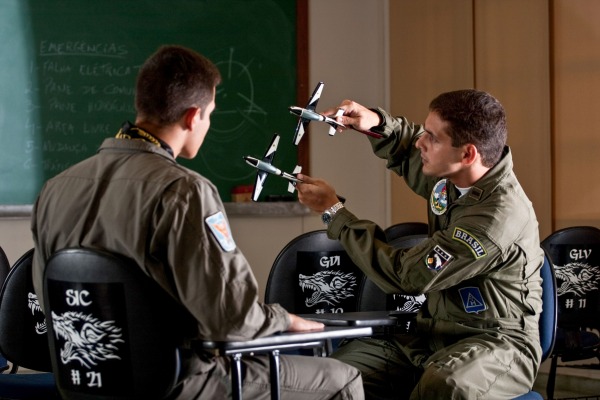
(24, 210)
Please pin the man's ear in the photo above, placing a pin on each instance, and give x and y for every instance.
(190, 115)
(470, 154)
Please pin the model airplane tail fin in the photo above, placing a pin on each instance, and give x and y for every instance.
(335, 125)
(292, 185)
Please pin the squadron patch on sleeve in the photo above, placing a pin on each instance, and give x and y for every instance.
(472, 299)
(438, 258)
(220, 229)
(470, 241)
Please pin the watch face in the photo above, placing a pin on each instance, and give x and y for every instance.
(326, 217)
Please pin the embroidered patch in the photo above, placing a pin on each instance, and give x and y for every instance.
(220, 228)
(438, 258)
(471, 241)
(439, 198)
(475, 193)
(472, 299)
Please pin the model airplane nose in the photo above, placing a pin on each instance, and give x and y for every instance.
(252, 161)
(296, 110)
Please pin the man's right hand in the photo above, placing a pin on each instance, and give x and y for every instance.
(316, 194)
(355, 116)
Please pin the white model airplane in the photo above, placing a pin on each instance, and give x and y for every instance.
(309, 114)
(265, 167)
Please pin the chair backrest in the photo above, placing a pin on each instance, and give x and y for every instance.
(23, 338)
(575, 254)
(313, 274)
(548, 317)
(406, 228)
(113, 332)
(4, 266)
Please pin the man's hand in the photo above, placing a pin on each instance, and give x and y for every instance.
(355, 116)
(316, 194)
(299, 324)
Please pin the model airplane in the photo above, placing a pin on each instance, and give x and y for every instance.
(309, 114)
(265, 167)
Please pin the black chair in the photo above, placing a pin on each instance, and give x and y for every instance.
(23, 339)
(313, 274)
(4, 268)
(110, 328)
(402, 229)
(575, 253)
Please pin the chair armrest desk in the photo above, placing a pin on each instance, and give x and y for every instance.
(362, 318)
(273, 344)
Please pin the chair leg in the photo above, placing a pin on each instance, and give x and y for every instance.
(236, 377)
(551, 378)
(274, 372)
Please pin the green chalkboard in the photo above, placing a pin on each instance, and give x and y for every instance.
(67, 78)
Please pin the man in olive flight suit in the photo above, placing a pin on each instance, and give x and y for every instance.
(477, 334)
(134, 199)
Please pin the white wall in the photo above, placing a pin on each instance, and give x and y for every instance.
(15, 237)
(347, 50)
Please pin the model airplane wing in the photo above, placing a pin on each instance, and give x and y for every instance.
(312, 106)
(261, 176)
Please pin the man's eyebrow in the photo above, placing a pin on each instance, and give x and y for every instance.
(430, 132)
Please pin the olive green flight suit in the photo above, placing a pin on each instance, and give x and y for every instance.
(134, 199)
(477, 334)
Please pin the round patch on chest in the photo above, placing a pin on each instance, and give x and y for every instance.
(439, 198)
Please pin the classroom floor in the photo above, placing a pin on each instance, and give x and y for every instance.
(572, 382)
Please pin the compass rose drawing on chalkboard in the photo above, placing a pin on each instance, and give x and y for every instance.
(235, 97)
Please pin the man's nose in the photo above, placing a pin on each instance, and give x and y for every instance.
(418, 143)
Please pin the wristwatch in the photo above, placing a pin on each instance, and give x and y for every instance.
(328, 214)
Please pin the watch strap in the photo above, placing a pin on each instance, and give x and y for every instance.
(336, 207)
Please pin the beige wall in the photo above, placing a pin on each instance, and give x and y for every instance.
(454, 44)
(576, 112)
(541, 59)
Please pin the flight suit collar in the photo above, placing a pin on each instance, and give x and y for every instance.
(112, 144)
(484, 187)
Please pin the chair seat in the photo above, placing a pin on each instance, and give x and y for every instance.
(530, 396)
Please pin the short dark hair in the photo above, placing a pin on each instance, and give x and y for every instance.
(172, 80)
(474, 117)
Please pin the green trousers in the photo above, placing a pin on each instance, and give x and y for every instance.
(402, 367)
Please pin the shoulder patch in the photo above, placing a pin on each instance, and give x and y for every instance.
(472, 299)
(438, 258)
(220, 229)
(470, 241)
